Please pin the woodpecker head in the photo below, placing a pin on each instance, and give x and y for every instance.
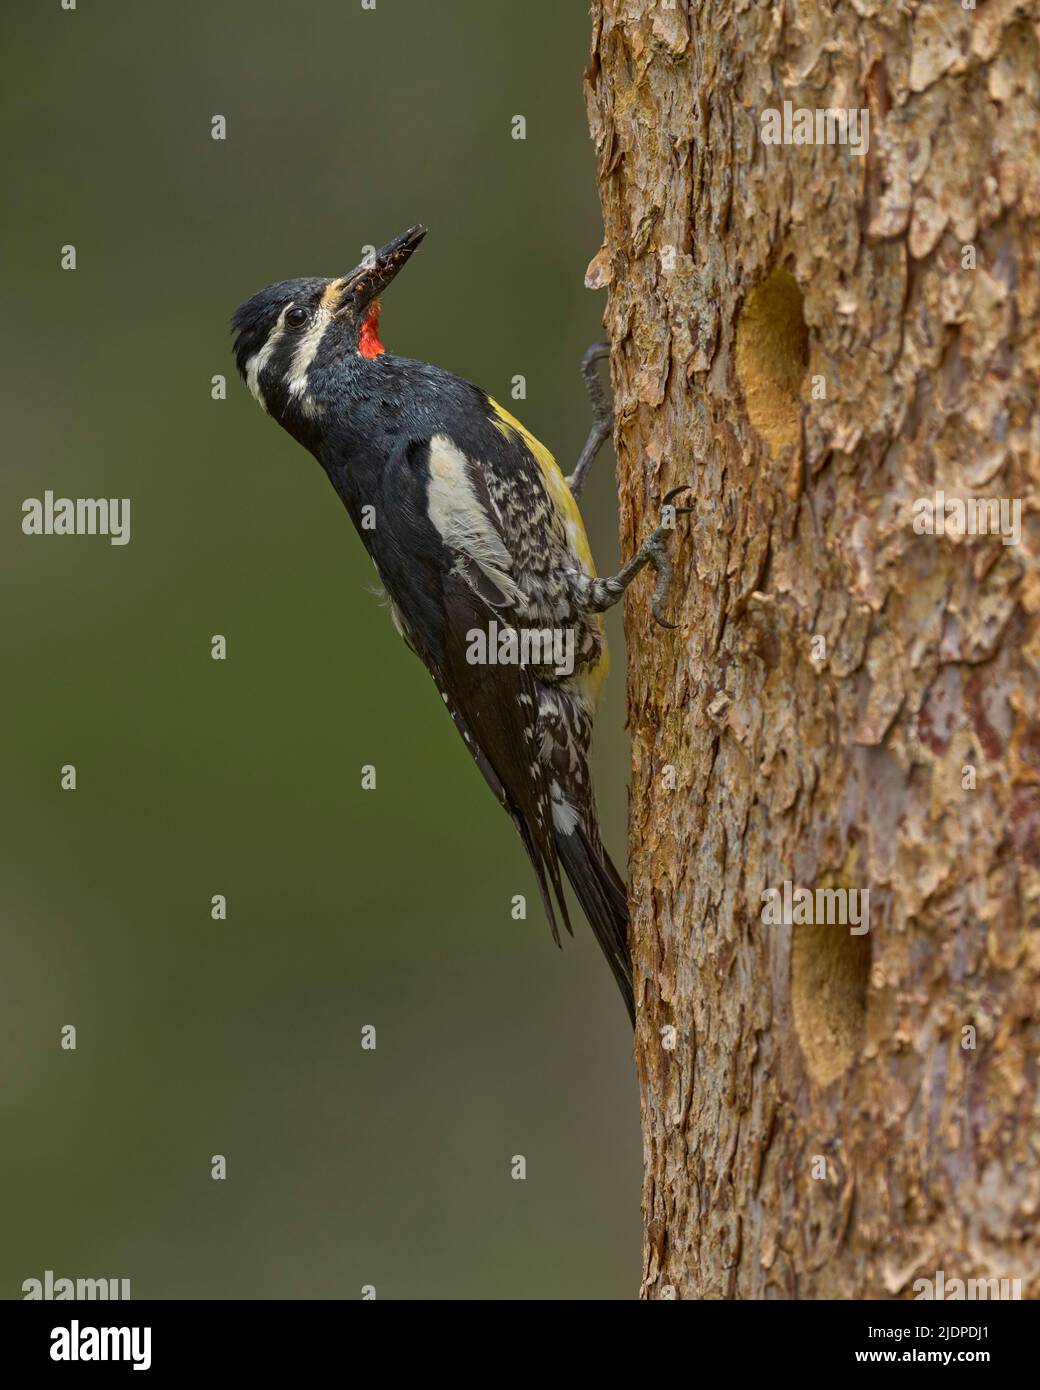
(300, 343)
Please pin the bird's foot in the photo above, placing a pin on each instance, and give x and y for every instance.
(654, 551)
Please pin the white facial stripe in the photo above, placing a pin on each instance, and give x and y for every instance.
(462, 521)
(257, 363)
(306, 350)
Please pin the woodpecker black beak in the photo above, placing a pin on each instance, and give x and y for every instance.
(358, 289)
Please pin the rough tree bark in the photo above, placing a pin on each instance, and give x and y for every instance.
(817, 1122)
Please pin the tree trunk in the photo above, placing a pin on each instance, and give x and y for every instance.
(819, 341)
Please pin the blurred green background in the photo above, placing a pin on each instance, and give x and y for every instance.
(196, 777)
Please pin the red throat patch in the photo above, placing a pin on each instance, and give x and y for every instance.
(368, 339)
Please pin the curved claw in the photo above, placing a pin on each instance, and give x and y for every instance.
(660, 594)
(663, 570)
(662, 565)
(674, 492)
(602, 415)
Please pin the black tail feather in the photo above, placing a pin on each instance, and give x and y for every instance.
(547, 872)
(604, 901)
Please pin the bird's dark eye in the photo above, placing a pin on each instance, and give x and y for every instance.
(296, 317)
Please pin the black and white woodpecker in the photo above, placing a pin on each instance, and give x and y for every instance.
(470, 524)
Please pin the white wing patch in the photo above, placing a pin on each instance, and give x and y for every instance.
(564, 816)
(462, 520)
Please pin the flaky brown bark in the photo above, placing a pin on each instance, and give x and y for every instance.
(902, 753)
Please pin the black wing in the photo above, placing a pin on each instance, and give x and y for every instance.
(441, 593)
